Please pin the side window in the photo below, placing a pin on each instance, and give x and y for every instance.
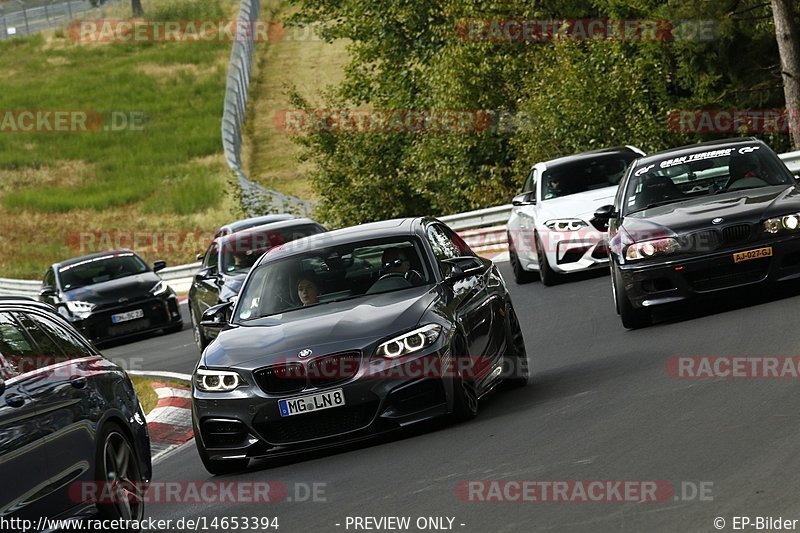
(17, 355)
(527, 185)
(49, 278)
(212, 256)
(66, 341)
(530, 183)
(446, 243)
(442, 246)
(46, 347)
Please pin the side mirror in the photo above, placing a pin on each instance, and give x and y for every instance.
(217, 317)
(48, 292)
(200, 256)
(159, 265)
(2, 386)
(602, 216)
(206, 274)
(462, 267)
(526, 198)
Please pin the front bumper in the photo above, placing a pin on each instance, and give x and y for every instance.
(159, 313)
(567, 251)
(247, 422)
(674, 280)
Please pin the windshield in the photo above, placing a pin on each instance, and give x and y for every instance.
(708, 172)
(100, 269)
(240, 251)
(596, 173)
(332, 274)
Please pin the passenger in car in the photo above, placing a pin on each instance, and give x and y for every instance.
(308, 288)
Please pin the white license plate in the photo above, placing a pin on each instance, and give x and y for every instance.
(124, 317)
(311, 403)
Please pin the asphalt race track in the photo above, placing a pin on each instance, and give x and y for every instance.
(602, 406)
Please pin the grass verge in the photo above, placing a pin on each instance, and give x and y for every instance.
(147, 395)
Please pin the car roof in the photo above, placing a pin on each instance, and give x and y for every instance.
(25, 301)
(76, 260)
(248, 222)
(384, 228)
(293, 223)
(692, 148)
(591, 154)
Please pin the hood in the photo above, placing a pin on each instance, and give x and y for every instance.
(326, 328)
(748, 206)
(581, 205)
(110, 292)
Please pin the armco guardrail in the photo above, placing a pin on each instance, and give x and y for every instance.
(177, 277)
(256, 200)
(484, 230)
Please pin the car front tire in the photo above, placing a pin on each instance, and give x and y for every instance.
(521, 276)
(199, 338)
(632, 318)
(548, 276)
(516, 358)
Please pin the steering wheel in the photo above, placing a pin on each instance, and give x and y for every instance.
(392, 275)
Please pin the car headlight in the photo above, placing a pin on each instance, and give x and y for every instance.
(566, 224)
(652, 248)
(410, 342)
(789, 222)
(159, 288)
(80, 309)
(217, 380)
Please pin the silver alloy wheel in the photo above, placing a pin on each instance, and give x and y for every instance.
(122, 477)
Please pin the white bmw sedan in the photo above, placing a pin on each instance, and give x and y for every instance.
(551, 230)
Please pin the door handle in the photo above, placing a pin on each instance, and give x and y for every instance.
(78, 383)
(15, 400)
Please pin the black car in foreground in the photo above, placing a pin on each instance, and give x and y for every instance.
(345, 335)
(112, 294)
(229, 258)
(73, 437)
(701, 219)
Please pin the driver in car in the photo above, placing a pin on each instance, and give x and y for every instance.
(394, 261)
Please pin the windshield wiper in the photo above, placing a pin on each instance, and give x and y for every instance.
(657, 204)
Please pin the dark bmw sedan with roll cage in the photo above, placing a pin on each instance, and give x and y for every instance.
(344, 335)
(701, 219)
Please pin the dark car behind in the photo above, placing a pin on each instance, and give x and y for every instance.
(112, 295)
(229, 258)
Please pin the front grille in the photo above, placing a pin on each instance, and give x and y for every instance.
(282, 378)
(318, 424)
(332, 369)
(737, 233)
(573, 255)
(723, 276)
(702, 241)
